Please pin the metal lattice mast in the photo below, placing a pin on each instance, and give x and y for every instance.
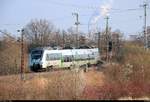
(107, 38)
(77, 28)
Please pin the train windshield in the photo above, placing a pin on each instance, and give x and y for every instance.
(37, 54)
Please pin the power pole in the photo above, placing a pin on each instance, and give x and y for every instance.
(22, 53)
(22, 50)
(107, 38)
(63, 39)
(98, 42)
(145, 26)
(77, 28)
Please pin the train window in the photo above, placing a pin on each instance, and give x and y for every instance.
(91, 57)
(36, 56)
(55, 56)
(83, 57)
(77, 57)
(47, 57)
(67, 58)
(37, 52)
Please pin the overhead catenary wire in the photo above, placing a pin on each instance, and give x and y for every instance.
(90, 7)
(112, 12)
(74, 5)
(5, 33)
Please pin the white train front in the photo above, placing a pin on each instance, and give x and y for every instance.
(65, 58)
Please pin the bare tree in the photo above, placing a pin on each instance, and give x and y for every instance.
(57, 38)
(72, 37)
(39, 32)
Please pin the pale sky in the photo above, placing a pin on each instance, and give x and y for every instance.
(15, 14)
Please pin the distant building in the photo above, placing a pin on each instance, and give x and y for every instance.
(133, 37)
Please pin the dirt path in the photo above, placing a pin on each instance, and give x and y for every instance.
(93, 79)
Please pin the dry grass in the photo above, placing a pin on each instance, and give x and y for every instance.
(38, 86)
(130, 78)
(94, 80)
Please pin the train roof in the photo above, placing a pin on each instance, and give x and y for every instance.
(43, 48)
(60, 48)
(73, 51)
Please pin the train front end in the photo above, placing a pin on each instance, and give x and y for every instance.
(36, 60)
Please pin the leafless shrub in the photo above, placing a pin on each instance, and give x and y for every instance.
(131, 77)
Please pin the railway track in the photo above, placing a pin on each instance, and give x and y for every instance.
(62, 69)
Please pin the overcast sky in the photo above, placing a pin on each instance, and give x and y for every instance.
(15, 14)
